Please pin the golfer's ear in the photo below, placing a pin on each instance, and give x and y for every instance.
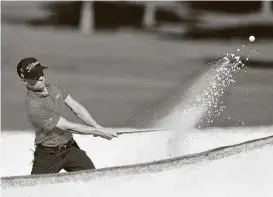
(24, 81)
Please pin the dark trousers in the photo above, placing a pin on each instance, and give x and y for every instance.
(48, 160)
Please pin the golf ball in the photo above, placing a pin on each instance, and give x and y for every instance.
(251, 38)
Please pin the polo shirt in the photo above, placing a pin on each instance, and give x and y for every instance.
(43, 113)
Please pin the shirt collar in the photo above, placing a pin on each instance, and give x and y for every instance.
(39, 94)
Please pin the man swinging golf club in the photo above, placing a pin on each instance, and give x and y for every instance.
(55, 148)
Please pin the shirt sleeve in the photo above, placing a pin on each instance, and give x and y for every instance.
(43, 118)
(63, 89)
(60, 86)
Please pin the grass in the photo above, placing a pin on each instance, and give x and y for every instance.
(114, 75)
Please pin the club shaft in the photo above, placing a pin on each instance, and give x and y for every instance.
(132, 131)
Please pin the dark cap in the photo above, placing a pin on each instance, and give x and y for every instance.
(29, 68)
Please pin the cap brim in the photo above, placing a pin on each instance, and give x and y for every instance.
(42, 67)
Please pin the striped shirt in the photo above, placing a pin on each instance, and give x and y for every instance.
(43, 113)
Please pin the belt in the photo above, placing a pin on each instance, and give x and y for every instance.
(61, 147)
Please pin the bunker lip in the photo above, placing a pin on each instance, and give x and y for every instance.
(149, 167)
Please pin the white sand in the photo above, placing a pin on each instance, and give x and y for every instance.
(248, 174)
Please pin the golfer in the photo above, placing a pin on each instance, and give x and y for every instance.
(55, 148)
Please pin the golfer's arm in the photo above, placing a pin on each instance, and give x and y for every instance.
(80, 111)
(76, 128)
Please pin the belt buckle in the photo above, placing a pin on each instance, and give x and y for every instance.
(62, 146)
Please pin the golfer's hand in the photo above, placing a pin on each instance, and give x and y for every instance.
(97, 127)
(107, 133)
